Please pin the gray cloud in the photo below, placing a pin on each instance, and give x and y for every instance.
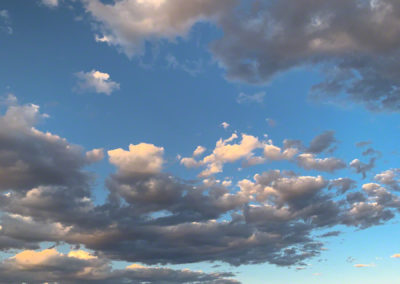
(149, 21)
(156, 218)
(322, 142)
(362, 168)
(310, 162)
(95, 81)
(356, 44)
(83, 267)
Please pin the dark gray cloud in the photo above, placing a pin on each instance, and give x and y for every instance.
(29, 157)
(322, 142)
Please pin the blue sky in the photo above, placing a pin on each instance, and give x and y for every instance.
(261, 87)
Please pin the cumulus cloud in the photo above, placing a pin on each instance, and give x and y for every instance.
(142, 158)
(153, 217)
(96, 81)
(226, 151)
(128, 24)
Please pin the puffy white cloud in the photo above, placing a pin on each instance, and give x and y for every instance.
(142, 158)
(225, 152)
(96, 81)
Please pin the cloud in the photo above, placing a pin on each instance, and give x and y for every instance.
(271, 122)
(363, 265)
(95, 155)
(50, 3)
(255, 98)
(322, 143)
(96, 81)
(396, 255)
(225, 152)
(22, 161)
(81, 267)
(142, 158)
(310, 162)
(343, 184)
(389, 178)
(343, 39)
(5, 22)
(199, 151)
(155, 218)
(362, 168)
(144, 21)
(193, 67)
(225, 125)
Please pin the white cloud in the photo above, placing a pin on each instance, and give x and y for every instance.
(96, 81)
(141, 158)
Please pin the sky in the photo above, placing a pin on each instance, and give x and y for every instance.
(200, 141)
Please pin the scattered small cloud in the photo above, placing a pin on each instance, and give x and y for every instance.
(192, 67)
(50, 3)
(271, 122)
(246, 98)
(225, 125)
(96, 81)
(5, 22)
(359, 265)
(396, 255)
